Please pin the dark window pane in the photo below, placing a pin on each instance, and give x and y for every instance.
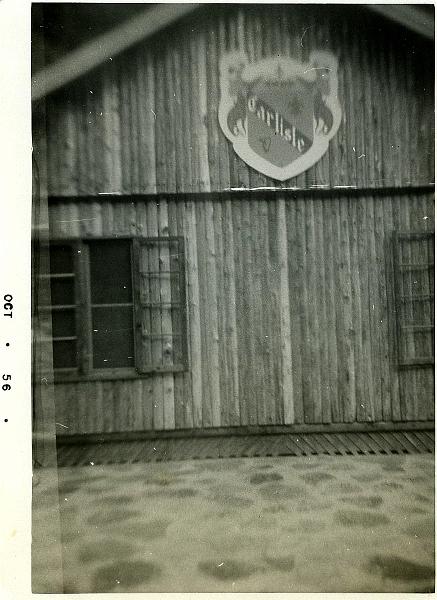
(63, 323)
(110, 268)
(113, 340)
(61, 259)
(62, 291)
(64, 355)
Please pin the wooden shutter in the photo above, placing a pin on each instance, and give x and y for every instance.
(160, 312)
(414, 254)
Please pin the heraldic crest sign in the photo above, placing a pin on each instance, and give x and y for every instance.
(278, 113)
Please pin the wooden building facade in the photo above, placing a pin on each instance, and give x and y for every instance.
(190, 291)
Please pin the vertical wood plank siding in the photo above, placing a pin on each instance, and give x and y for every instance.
(148, 118)
(291, 315)
(290, 300)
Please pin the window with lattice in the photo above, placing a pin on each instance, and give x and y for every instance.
(117, 307)
(160, 304)
(414, 271)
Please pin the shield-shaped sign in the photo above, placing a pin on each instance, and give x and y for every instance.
(278, 113)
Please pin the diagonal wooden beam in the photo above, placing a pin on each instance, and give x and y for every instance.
(90, 55)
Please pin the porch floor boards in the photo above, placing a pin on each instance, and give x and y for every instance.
(309, 444)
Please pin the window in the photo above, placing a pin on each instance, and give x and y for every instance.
(63, 307)
(117, 307)
(414, 265)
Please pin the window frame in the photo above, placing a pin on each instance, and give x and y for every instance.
(403, 361)
(83, 310)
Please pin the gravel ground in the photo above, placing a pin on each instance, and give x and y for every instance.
(284, 524)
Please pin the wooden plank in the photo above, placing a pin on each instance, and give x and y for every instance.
(308, 404)
(331, 364)
(135, 166)
(232, 379)
(125, 129)
(338, 441)
(354, 441)
(150, 124)
(111, 148)
(366, 440)
(347, 366)
(135, 100)
(224, 146)
(381, 442)
(238, 170)
(263, 281)
(424, 440)
(295, 447)
(384, 332)
(166, 319)
(393, 442)
(273, 401)
(108, 410)
(329, 442)
(107, 219)
(121, 407)
(272, 327)
(366, 301)
(187, 391)
(359, 101)
(404, 441)
(98, 400)
(68, 183)
(194, 313)
(309, 444)
(142, 113)
(313, 373)
(178, 141)
(377, 90)
(273, 367)
(161, 129)
(430, 436)
(319, 174)
(240, 310)
(252, 379)
(51, 156)
(175, 316)
(193, 99)
(378, 324)
(253, 47)
(155, 321)
(420, 447)
(327, 447)
(296, 308)
(142, 293)
(203, 275)
(202, 115)
(210, 72)
(349, 103)
(390, 209)
(321, 308)
(211, 307)
(171, 107)
(225, 388)
(315, 444)
(286, 359)
(409, 396)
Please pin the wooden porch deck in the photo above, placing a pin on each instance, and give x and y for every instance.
(237, 446)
